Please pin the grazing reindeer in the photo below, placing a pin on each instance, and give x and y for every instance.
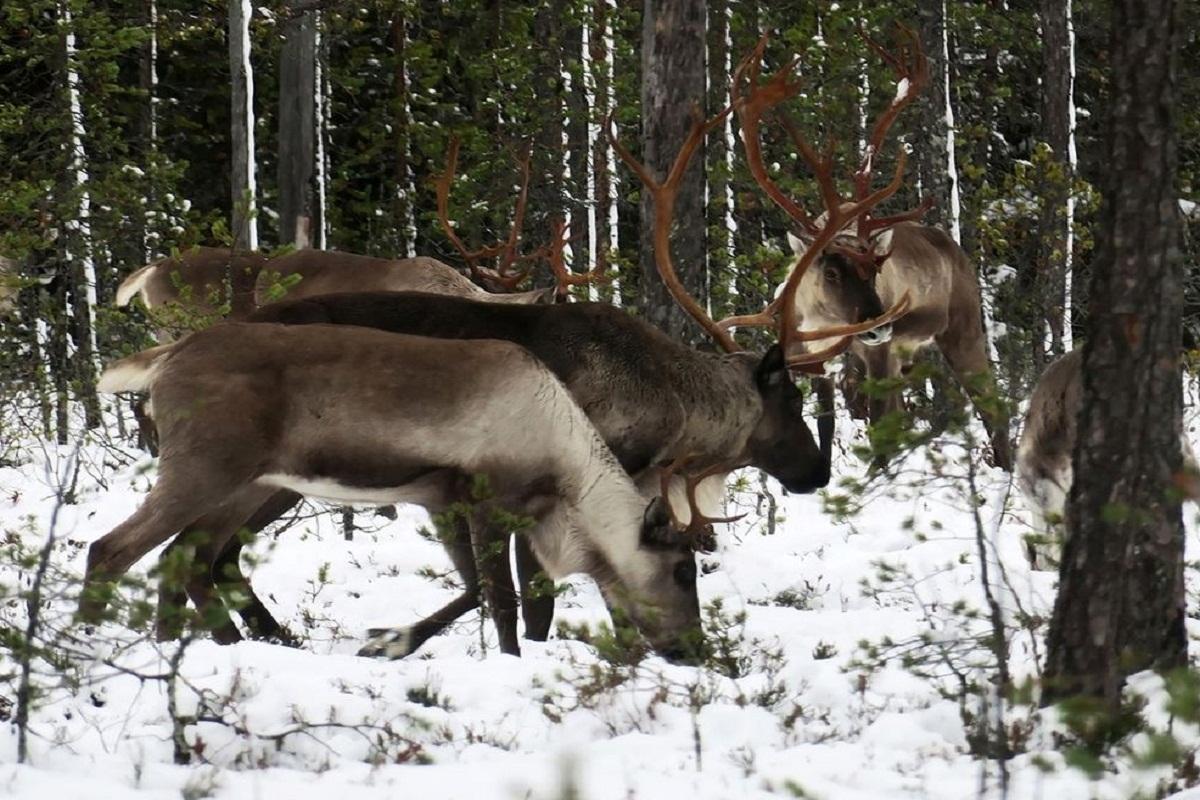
(355, 415)
(874, 262)
(196, 280)
(1044, 470)
(654, 401)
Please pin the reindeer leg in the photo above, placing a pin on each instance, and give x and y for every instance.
(853, 373)
(490, 543)
(260, 624)
(209, 535)
(537, 598)
(400, 642)
(967, 355)
(172, 504)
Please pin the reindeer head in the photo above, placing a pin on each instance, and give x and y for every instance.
(840, 254)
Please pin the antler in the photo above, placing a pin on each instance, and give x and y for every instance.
(563, 276)
(695, 528)
(839, 212)
(664, 194)
(501, 276)
(912, 76)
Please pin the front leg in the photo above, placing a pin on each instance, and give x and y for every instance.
(490, 544)
(537, 592)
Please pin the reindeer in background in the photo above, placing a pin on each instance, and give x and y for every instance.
(872, 262)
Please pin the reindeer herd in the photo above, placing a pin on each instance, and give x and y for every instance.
(377, 381)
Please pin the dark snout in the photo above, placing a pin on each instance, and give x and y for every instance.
(877, 336)
(688, 650)
(815, 478)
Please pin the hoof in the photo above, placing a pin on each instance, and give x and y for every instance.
(391, 643)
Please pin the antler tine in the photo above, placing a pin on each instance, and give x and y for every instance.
(442, 188)
(563, 276)
(911, 68)
(506, 251)
(691, 482)
(509, 248)
(750, 109)
(664, 194)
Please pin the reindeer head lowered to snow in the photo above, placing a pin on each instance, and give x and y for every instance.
(373, 417)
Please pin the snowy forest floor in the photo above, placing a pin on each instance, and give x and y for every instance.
(813, 713)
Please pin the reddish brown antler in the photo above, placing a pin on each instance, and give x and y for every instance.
(911, 68)
(563, 276)
(501, 276)
(698, 521)
(664, 194)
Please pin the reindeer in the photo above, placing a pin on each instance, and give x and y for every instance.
(195, 280)
(874, 262)
(1044, 467)
(658, 405)
(374, 417)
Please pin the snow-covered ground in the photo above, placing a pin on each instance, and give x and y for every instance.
(806, 718)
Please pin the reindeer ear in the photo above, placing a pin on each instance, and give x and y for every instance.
(772, 369)
(882, 242)
(799, 244)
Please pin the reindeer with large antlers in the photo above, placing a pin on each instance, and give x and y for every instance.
(853, 263)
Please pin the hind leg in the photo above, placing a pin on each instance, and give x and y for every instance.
(171, 505)
(226, 570)
(259, 621)
(203, 541)
(966, 352)
(455, 535)
(537, 592)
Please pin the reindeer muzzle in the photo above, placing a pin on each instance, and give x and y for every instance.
(877, 336)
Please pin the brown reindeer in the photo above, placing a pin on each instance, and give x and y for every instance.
(214, 282)
(874, 262)
(374, 417)
(1044, 470)
(657, 403)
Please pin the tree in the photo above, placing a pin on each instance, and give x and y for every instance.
(1054, 242)
(1120, 606)
(297, 128)
(672, 81)
(242, 180)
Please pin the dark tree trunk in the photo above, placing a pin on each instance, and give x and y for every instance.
(402, 207)
(932, 144)
(627, 81)
(750, 206)
(241, 184)
(1120, 606)
(547, 180)
(1056, 131)
(672, 81)
(577, 139)
(720, 244)
(297, 129)
(601, 179)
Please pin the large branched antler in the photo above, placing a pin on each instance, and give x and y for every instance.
(664, 193)
(502, 276)
(911, 68)
(564, 278)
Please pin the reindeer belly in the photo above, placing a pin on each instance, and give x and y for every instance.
(432, 488)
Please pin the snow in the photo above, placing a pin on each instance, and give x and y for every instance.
(490, 726)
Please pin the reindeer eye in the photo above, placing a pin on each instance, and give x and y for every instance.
(685, 573)
(831, 274)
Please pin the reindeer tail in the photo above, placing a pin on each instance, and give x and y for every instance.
(135, 373)
(133, 284)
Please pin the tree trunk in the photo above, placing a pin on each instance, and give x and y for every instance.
(297, 126)
(242, 187)
(599, 58)
(577, 139)
(1056, 131)
(672, 81)
(627, 64)
(932, 145)
(403, 205)
(1120, 606)
(547, 180)
(720, 243)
